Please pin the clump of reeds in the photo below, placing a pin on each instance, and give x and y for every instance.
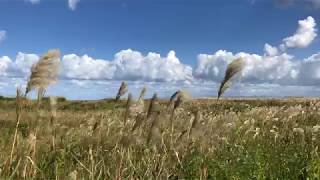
(44, 72)
(122, 90)
(233, 68)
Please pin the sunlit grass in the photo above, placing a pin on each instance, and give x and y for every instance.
(226, 139)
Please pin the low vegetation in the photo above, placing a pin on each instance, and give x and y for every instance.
(204, 139)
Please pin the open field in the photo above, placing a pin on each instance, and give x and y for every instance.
(208, 139)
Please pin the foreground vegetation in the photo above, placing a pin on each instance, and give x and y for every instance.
(200, 139)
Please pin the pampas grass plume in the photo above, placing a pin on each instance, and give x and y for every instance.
(233, 68)
(45, 71)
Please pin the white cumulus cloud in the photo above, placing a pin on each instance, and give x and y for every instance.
(20, 67)
(127, 65)
(304, 35)
(257, 69)
(270, 50)
(85, 67)
(73, 4)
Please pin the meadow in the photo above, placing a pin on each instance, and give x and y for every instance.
(201, 139)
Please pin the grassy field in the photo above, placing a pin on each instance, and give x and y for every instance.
(200, 139)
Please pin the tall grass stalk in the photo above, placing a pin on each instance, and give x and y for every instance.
(18, 116)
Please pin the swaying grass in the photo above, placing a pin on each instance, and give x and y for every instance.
(228, 139)
(122, 90)
(233, 68)
(45, 72)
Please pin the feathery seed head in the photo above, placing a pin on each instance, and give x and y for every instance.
(45, 71)
(233, 68)
(122, 90)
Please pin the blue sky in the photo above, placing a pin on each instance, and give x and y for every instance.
(103, 28)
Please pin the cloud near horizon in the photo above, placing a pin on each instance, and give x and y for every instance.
(282, 69)
(275, 68)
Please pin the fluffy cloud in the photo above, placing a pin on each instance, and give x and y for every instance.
(73, 4)
(270, 50)
(280, 69)
(3, 35)
(262, 75)
(85, 67)
(5, 62)
(18, 68)
(309, 73)
(304, 35)
(274, 67)
(127, 65)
